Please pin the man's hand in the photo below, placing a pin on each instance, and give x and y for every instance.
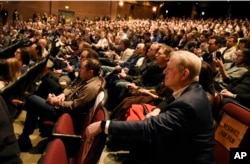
(93, 129)
(227, 93)
(55, 100)
(61, 97)
(144, 91)
(132, 86)
(122, 75)
(155, 112)
(218, 62)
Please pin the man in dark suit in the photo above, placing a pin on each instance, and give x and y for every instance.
(181, 130)
(214, 43)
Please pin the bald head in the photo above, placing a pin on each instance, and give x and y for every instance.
(42, 42)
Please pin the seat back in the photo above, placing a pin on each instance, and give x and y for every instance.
(232, 131)
(99, 102)
(64, 125)
(55, 153)
(91, 148)
(217, 107)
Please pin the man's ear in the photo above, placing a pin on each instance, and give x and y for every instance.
(186, 74)
(91, 72)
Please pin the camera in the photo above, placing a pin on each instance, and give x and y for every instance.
(218, 55)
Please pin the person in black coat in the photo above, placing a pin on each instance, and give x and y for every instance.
(9, 150)
(181, 131)
(238, 91)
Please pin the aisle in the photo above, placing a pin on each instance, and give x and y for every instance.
(38, 143)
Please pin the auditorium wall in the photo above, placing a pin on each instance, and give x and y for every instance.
(82, 9)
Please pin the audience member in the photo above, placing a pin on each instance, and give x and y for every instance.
(184, 128)
(244, 43)
(214, 43)
(230, 71)
(9, 152)
(51, 84)
(239, 89)
(23, 57)
(228, 52)
(76, 100)
(206, 80)
(14, 68)
(151, 78)
(129, 63)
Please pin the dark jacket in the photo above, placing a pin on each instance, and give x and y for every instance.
(9, 149)
(182, 132)
(241, 87)
(152, 76)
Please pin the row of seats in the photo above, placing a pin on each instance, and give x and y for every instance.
(67, 148)
(24, 84)
(232, 131)
(10, 50)
(232, 122)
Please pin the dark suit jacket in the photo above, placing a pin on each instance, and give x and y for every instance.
(183, 131)
(9, 150)
(241, 87)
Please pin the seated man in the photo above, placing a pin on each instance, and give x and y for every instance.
(151, 78)
(125, 66)
(182, 131)
(51, 84)
(76, 100)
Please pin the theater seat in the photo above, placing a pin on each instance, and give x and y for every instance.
(232, 131)
(65, 124)
(101, 99)
(54, 153)
(90, 148)
(217, 107)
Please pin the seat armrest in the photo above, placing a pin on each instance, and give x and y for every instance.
(72, 142)
(67, 136)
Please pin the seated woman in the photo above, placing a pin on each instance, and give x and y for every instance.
(14, 68)
(228, 72)
(23, 57)
(239, 90)
(206, 80)
(15, 72)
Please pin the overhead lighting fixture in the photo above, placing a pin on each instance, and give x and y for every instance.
(121, 3)
(154, 9)
(66, 7)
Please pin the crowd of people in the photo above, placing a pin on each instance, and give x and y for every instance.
(142, 61)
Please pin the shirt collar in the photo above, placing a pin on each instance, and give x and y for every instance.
(178, 93)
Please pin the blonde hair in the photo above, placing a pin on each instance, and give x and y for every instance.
(14, 68)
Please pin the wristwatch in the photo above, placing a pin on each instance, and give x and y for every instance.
(103, 124)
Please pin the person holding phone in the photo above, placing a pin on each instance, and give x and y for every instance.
(227, 72)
